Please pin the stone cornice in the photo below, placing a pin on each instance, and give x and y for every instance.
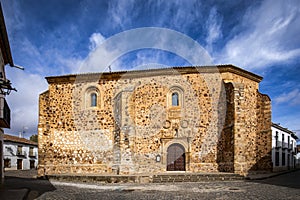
(236, 70)
(154, 72)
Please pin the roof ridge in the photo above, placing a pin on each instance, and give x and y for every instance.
(149, 69)
(14, 138)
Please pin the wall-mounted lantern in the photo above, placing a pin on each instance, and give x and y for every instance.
(157, 158)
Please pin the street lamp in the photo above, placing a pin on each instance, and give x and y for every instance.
(5, 84)
(5, 87)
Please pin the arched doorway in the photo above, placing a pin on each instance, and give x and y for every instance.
(176, 158)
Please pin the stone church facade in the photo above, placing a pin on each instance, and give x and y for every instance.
(193, 119)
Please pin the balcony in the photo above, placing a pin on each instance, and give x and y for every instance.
(294, 152)
(32, 154)
(4, 114)
(284, 145)
(278, 144)
(21, 153)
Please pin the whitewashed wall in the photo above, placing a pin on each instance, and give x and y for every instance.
(10, 152)
(290, 163)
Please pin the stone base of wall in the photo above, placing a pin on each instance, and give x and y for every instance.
(204, 167)
(241, 168)
(156, 178)
(226, 167)
(126, 169)
(74, 169)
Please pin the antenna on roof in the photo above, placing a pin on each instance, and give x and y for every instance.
(109, 69)
(22, 133)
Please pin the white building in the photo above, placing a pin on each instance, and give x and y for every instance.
(284, 148)
(19, 153)
(298, 156)
(5, 86)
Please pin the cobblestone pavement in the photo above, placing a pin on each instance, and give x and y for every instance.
(204, 190)
(286, 186)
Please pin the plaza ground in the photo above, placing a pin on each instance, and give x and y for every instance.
(285, 186)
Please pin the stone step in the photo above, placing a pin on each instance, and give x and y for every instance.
(195, 177)
(157, 178)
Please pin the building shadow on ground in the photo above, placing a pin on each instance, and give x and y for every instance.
(289, 179)
(35, 187)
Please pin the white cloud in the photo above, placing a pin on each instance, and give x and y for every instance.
(272, 30)
(213, 28)
(157, 38)
(12, 15)
(70, 65)
(95, 40)
(179, 15)
(291, 98)
(121, 12)
(24, 102)
(147, 59)
(143, 59)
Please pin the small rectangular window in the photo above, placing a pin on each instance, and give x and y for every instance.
(7, 163)
(31, 151)
(32, 164)
(276, 139)
(20, 150)
(283, 159)
(276, 158)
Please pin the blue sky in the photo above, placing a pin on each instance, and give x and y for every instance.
(55, 37)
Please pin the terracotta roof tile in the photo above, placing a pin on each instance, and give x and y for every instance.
(18, 139)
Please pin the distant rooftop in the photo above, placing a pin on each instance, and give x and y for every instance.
(285, 130)
(16, 139)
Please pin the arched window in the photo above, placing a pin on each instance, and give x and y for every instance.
(93, 100)
(175, 99)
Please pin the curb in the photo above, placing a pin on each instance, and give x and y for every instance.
(266, 176)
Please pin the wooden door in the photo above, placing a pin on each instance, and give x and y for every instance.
(32, 162)
(176, 158)
(19, 164)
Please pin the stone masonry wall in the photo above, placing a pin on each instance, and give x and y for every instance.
(218, 122)
(252, 133)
